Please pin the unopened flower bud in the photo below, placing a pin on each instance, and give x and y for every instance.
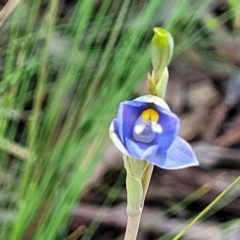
(161, 49)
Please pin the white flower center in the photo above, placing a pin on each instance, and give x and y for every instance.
(146, 126)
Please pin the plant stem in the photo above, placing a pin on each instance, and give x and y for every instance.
(146, 180)
(132, 227)
(134, 221)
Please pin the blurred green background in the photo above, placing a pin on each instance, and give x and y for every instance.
(65, 66)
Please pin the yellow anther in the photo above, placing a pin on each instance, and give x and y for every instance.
(150, 114)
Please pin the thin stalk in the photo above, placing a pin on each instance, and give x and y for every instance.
(201, 214)
(146, 180)
(49, 22)
(133, 222)
(132, 227)
(110, 46)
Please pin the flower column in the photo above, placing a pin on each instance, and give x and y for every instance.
(146, 132)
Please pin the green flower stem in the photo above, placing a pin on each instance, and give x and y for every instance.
(201, 214)
(134, 195)
(137, 182)
(139, 172)
(146, 181)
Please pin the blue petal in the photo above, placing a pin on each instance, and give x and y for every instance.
(152, 99)
(151, 151)
(115, 138)
(133, 148)
(170, 125)
(179, 155)
(136, 150)
(128, 112)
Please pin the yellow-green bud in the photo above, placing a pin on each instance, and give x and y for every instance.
(161, 49)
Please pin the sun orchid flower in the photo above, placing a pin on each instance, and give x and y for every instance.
(146, 129)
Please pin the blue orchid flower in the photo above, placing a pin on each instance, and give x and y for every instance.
(146, 129)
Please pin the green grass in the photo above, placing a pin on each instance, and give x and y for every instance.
(63, 79)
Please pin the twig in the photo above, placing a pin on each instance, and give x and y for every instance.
(15, 149)
(77, 233)
(7, 10)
